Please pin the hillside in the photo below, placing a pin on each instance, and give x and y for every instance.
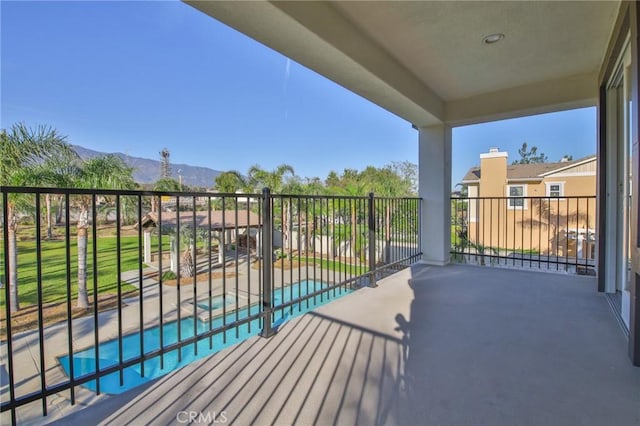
(148, 171)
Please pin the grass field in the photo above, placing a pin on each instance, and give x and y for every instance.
(54, 268)
(334, 265)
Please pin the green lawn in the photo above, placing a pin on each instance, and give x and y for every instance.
(338, 266)
(54, 264)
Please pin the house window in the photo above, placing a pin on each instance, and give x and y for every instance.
(555, 189)
(516, 194)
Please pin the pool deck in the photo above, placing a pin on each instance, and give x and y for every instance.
(454, 345)
(26, 344)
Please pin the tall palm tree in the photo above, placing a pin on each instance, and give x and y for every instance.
(274, 180)
(352, 184)
(58, 172)
(230, 182)
(107, 172)
(23, 151)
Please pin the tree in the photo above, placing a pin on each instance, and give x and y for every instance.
(164, 184)
(352, 184)
(188, 237)
(59, 172)
(530, 156)
(408, 172)
(313, 186)
(107, 172)
(23, 151)
(230, 182)
(168, 185)
(274, 180)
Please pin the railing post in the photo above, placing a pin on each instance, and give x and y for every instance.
(372, 242)
(267, 260)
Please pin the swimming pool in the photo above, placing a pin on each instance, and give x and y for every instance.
(217, 302)
(84, 361)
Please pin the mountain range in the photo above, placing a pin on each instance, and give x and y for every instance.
(148, 171)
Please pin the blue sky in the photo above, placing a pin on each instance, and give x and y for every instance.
(135, 77)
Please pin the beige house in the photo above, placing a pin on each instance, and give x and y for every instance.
(545, 208)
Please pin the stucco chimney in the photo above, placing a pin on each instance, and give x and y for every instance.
(493, 173)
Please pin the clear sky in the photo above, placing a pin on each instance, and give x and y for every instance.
(555, 134)
(135, 77)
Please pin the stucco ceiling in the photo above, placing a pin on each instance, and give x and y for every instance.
(441, 42)
(426, 62)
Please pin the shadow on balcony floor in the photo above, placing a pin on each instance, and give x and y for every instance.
(430, 345)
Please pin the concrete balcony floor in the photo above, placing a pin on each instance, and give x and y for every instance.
(454, 345)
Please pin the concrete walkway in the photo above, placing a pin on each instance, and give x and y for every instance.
(26, 347)
(454, 345)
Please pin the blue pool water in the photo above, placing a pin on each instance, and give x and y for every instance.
(217, 302)
(84, 361)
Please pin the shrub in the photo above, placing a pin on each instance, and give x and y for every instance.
(169, 275)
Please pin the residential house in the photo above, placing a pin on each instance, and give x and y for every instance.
(545, 208)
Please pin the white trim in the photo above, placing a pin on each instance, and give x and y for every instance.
(548, 190)
(524, 194)
(477, 181)
(528, 179)
(472, 203)
(566, 174)
(572, 165)
(494, 155)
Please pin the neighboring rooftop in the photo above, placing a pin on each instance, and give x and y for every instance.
(232, 218)
(529, 171)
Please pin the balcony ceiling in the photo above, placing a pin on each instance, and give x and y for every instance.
(426, 62)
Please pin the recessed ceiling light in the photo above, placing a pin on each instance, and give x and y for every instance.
(493, 38)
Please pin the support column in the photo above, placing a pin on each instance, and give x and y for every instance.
(434, 168)
(147, 247)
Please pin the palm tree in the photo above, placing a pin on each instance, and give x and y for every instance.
(555, 220)
(351, 184)
(274, 180)
(107, 172)
(58, 172)
(186, 261)
(165, 184)
(230, 182)
(168, 184)
(23, 151)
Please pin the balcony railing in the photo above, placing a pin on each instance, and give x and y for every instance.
(546, 233)
(104, 290)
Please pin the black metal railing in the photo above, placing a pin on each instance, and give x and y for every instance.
(105, 289)
(548, 233)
